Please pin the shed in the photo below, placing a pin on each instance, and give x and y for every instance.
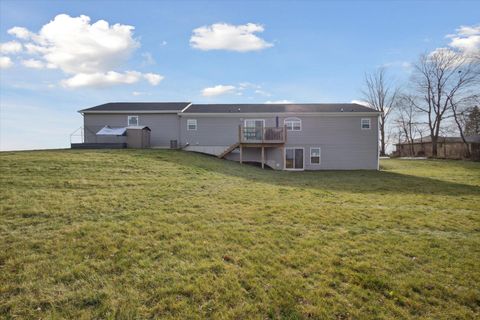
(138, 137)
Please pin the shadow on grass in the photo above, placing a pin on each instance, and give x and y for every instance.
(356, 181)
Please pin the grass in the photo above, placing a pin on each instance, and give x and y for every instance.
(133, 234)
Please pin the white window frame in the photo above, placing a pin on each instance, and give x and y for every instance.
(319, 156)
(285, 159)
(191, 122)
(292, 120)
(128, 121)
(369, 123)
(245, 122)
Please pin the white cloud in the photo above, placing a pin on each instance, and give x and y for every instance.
(153, 78)
(217, 90)
(20, 32)
(361, 102)
(147, 59)
(138, 93)
(466, 39)
(278, 102)
(76, 46)
(34, 64)
(10, 47)
(262, 92)
(88, 52)
(5, 62)
(243, 85)
(223, 36)
(35, 49)
(100, 79)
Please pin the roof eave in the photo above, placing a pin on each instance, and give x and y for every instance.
(320, 113)
(131, 111)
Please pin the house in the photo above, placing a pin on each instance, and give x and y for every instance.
(280, 136)
(447, 148)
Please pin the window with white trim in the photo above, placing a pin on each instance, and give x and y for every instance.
(293, 124)
(314, 155)
(132, 121)
(192, 124)
(366, 123)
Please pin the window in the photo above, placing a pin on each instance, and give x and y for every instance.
(294, 158)
(314, 155)
(365, 123)
(191, 124)
(293, 124)
(132, 121)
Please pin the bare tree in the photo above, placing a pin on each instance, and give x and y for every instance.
(462, 109)
(382, 96)
(439, 80)
(407, 122)
(472, 121)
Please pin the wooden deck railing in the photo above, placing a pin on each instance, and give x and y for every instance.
(262, 134)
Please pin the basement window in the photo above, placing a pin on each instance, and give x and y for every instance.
(192, 124)
(365, 123)
(132, 121)
(314, 155)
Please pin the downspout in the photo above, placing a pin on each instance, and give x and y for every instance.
(179, 118)
(378, 153)
(179, 144)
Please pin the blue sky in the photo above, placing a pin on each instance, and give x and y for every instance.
(310, 51)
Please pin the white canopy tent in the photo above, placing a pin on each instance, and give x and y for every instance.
(108, 131)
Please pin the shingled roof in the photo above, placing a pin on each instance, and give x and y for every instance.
(173, 107)
(277, 108)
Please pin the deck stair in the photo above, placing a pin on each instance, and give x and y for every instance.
(228, 150)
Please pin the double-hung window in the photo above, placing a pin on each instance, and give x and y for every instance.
(192, 124)
(314, 155)
(293, 124)
(366, 123)
(132, 121)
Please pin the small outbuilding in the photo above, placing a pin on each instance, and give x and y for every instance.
(447, 148)
(138, 137)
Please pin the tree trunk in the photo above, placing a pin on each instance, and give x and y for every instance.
(460, 128)
(434, 145)
(382, 139)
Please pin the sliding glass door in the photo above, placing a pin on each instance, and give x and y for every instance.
(294, 158)
(253, 129)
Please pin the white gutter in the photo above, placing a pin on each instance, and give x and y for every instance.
(269, 114)
(131, 111)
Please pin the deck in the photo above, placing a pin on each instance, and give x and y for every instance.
(261, 137)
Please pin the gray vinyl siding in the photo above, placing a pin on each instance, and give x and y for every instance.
(214, 130)
(165, 127)
(344, 145)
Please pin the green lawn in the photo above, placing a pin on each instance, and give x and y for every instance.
(166, 234)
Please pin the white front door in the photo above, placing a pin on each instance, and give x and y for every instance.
(294, 158)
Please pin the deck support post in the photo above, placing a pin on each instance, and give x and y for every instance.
(241, 153)
(282, 150)
(263, 157)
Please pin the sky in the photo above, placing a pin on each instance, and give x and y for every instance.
(57, 57)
